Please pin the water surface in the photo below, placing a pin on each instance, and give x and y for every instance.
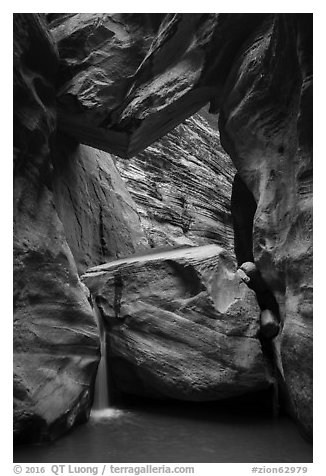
(161, 433)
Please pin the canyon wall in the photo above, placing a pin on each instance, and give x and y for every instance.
(71, 211)
(266, 126)
(117, 83)
(56, 347)
(100, 218)
(128, 79)
(182, 186)
(256, 70)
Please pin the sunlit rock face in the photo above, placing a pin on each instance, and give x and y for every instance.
(100, 218)
(265, 125)
(182, 186)
(180, 324)
(55, 336)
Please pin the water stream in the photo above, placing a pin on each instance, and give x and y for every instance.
(101, 395)
(161, 432)
(153, 431)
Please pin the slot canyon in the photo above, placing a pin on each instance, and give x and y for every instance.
(162, 215)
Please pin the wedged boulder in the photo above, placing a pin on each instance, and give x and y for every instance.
(99, 54)
(266, 126)
(128, 79)
(100, 218)
(180, 324)
(182, 186)
(269, 324)
(56, 348)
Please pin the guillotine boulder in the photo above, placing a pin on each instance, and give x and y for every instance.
(180, 324)
(128, 79)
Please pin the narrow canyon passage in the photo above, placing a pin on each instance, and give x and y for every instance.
(163, 237)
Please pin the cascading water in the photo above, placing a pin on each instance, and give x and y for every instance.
(101, 395)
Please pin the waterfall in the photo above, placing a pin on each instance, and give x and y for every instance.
(101, 395)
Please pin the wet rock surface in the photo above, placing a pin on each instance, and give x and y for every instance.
(180, 324)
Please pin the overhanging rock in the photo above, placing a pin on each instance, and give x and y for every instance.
(128, 79)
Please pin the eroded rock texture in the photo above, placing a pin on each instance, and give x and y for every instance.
(129, 79)
(182, 186)
(124, 80)
(266, 126)
(55, 335)
(180, 324)
(257, 71)
(100, 218)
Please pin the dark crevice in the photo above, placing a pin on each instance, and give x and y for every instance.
(243, 208)
(189, 278)
(118, 288)
(104, 249)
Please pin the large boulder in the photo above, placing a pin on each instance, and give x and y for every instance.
(266, 126)
(180, 324)
(100, 218)
(128, 79)
(182, 186)
(56, 347)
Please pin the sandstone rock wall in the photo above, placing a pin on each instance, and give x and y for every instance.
(182, 186)
(257, 71)
(100, 218)
(122, 82)
(56, 346)
(129, 79)
(265, 126)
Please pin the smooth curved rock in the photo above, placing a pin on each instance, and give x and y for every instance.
(182, 186)
(180, 324)
(255, 69)
(100, 218)
(269, 324)
(56, 347)
(265, 126)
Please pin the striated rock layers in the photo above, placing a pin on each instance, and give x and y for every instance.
(99, 216)
(180, 324)
(182, 186)
(56, 347)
